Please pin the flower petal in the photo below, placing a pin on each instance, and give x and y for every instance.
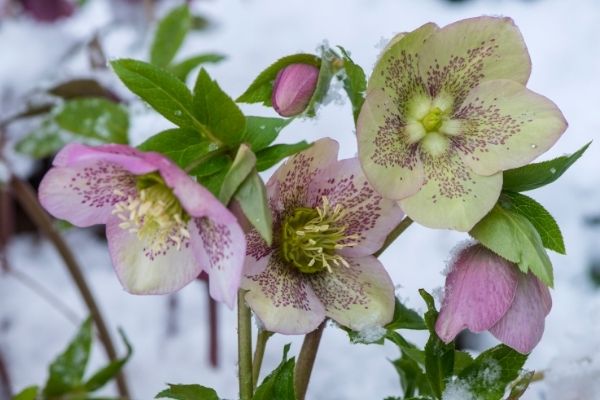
(522, 326)
(220, 248)
(367, 215)
(392, 165)
(359, 296)
(287, 186)
(453, 197)
(143, 271)
(125, 156)
(283, 299)
(459, 56)
(258, 253)
(480, 288)
(506, 125)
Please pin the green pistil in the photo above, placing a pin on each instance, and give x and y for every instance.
(433, 120)
(311, 236)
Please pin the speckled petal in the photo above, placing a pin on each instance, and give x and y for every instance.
(522, 326)
(479, 290)
(453, 197)
(258, 253)
(283, 299)
(127, 157)
(219, 247)
(505, 125)
(367, 214)
(392, 165)
(142, 271)
(459, 56)
(360, 296)
(287, 186)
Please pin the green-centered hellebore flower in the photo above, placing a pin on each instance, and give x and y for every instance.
(327, 222)
(446, 112)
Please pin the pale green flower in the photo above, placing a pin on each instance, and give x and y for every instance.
(446, 112)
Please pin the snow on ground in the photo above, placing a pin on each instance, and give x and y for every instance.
(563, 39)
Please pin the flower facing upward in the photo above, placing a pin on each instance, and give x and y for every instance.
(486, 292)
(293, 88)
(162, 227)
(446, 112)
(327, 223)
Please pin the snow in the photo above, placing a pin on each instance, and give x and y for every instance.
(562, 38)
(458, 390)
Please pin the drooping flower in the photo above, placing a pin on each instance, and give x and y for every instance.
(327, 223)
(486, 292)
(446, 112)
(162, 227)
(293, 88)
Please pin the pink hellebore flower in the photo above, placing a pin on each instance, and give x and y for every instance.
(294, 87)
(163, 228)
(327, 223)
(486, 292)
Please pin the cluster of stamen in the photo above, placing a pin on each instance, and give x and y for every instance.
(154, 214)
(312, 237)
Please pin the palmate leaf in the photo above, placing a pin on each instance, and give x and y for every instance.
(270, 156)
(183, 68)
(262, 131)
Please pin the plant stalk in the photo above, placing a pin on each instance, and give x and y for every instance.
(25, 195)
(244, 348)
(259, 353)
(398, 230)
(306, 360)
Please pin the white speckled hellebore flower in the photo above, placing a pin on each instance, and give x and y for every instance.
(162, 227)
(327, 223)
(446, 112)
(486, 292)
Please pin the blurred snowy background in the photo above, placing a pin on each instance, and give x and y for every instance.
(171, 342)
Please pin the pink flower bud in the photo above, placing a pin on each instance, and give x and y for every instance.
(293, 89)
(48, 10)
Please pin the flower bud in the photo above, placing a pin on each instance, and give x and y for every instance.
(48, 10)
(293, 89)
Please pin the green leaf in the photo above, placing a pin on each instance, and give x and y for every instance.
(280, 383)
(270, 156)
(536, 175)
(520, 385)
(94, 118)
(81, 88)
(355, 83)
(29, 393)
(188, 392)
(161, 90)
(183, 68)
(171, 32)
(252, 198)
(491, 373)
(326, 73)
(42, 142)
(66, 371)
(261, 89)
(217, 111)
(262, 131)
(214, 182)
(412, 377)
(405, 318)
(105, 374)
(539, 217)
(512, 236)
(462, 360)
(439, 357)
(242, 166)
(407, 348)
(173, 143)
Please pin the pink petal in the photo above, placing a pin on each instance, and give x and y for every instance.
(258, 253)
(219, 247)
(142, 271)
(368, 214)
(479, 291)
(523, 325)
(125, 156)
(283, 299)
(359, 296)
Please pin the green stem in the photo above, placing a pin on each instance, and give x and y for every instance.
(259, 352)
(401, 227)
(244, 348)
(306, 360)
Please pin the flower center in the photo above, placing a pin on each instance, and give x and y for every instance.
(311, 238)
(155, 214)
(433, 120)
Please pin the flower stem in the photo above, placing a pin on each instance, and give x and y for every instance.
(244, 348)
(25, 195)
(401, 227)
(306, 360)
(259, 352)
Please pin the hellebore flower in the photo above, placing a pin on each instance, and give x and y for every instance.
(162, 227)
(293, 88)
(48, 10)
(486, 292)
(446, 112)
(327, 223)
